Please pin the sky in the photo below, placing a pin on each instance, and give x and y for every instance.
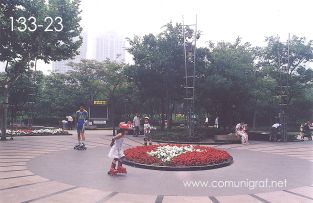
(218, 20)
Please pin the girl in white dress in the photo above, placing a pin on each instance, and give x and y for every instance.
(116, 152)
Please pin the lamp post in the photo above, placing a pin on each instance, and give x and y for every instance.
(32, 94)
(5, 106)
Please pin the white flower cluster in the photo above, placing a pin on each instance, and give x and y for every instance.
(35, 132)
(166, 153)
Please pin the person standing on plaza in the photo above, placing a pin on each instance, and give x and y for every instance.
(136, 122)
(206, 121)
(301, 132)
(70, 122)
(216, 122)
(81, 120)
(147, 132)
(307, 130)
(275, 134)
(64, 124)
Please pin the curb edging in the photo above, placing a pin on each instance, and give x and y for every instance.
(185, 168)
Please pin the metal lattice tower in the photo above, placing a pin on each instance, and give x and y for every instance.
(32, 94)
(284, 94)
(190, 45)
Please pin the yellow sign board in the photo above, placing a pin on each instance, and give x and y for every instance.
(100, 102)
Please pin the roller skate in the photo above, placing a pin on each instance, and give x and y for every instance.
(83, 147)
(80, 147)
(77, 147)
(112, 172)
(121, 169)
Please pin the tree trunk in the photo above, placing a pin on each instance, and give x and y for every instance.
(113, 116)
(5, 112)
(254, 118)
(162, 114)
(171, 111)
(1, 119)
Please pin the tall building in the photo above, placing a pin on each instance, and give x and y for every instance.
(111, 46)
(62, 67)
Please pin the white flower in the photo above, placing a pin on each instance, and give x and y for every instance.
(34, 132)
(166, 152)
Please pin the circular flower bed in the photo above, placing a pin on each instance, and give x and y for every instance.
(176, 157)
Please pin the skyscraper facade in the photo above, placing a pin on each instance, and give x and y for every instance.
(111, 46)
(62, 66)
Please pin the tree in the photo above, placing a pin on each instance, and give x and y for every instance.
(159, 68)
(18, 48)
(62, 94)
(226, 80)
(102, 79)
(289, 60)
(24, 93)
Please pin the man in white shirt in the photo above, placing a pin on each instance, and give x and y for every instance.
(216, 122)
(206, 122)
(70, 122)
(64, 124)
(136, 122)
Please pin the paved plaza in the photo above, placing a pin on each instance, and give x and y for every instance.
(47, 169)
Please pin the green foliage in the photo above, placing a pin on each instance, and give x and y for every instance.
(299, 76)
(40, 44)
(226, 80)
(18, 48)
(234, 81)
(158, 73)
(89, 80)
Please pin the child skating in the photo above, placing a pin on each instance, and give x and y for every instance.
(81, 118)
(147, 132)
(116, 152)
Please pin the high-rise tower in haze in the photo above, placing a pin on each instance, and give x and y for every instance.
(111, 46)
(62, 67)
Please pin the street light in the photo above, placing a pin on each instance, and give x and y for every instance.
(4, 112)
(32, 66)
